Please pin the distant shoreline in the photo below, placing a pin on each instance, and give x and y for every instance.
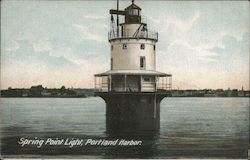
(45, 97)
(43, 92)
(166, 97)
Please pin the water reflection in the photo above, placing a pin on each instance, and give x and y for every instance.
(146, 149)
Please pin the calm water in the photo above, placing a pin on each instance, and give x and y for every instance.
(190, 128)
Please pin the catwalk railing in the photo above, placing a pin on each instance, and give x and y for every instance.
(163, 84)
(146, 34)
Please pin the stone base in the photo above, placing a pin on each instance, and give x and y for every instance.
(130, 112)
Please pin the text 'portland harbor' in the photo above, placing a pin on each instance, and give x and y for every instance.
(132, 88)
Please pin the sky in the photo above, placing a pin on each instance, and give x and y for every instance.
(203, 44)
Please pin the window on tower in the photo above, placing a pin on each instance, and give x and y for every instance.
(111, 63)
(142, 46)
(122, 31)
(142, 62)
(112, 47)
(154, 47)
(147, 79)
(124, 46)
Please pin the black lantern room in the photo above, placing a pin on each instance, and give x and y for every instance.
(133, 14)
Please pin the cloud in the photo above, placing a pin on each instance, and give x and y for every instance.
(103, 26)
(68, 54)
(208, 65)
(85, 33)
(95, 17)
(201, 51)
(172, 21)
(65, 52)
(41, 45)
(11, 46)
(51, 67)
(183, 25)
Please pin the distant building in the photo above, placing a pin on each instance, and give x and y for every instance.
(247, 93)
(45, 93)
(241, 93)
(209, 93)
(25, 95)
(234, 93)
(220, 93)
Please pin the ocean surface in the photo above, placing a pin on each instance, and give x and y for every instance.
(189, 128)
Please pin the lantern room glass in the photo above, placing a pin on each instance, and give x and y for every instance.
(134, 12)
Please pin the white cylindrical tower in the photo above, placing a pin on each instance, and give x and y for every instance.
(133, 54)
(134, 47)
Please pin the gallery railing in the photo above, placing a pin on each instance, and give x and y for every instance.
(147, 35)
(159, 86)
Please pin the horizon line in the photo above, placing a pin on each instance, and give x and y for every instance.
(228, 88)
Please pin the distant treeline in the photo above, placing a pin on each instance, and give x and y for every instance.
(40, 91)
(210, 93)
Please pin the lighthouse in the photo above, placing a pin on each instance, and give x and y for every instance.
(132, 89)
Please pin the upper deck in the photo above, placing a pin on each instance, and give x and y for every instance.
(143, 35)
(136, 81)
